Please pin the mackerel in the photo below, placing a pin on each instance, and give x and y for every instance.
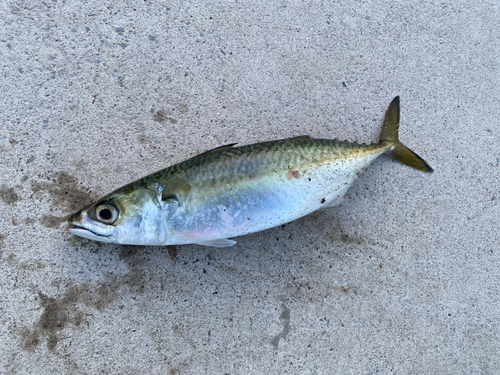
(232, 191)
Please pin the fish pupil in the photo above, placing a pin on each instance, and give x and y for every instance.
(105, 214)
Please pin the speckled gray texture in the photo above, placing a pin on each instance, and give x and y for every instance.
(402, 278)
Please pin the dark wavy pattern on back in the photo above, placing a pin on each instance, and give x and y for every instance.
(277, 153)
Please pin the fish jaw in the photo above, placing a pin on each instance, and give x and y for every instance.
(82, 226)
(87, 233)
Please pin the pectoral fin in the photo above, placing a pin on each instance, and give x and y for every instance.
(176, 191)
(223, 242)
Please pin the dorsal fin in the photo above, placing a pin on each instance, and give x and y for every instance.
(216, 149)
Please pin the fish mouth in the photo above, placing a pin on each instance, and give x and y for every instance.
(78, 230)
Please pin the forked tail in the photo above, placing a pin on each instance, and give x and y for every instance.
(389, 136)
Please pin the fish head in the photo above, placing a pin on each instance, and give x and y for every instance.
(130, 216)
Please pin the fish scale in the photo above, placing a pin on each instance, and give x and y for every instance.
(232, 191)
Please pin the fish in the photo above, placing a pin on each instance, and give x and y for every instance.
(232, 191)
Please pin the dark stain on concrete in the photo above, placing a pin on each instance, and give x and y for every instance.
(51, 221)
(66, 311)
(29, 221)
(285, 321)
(65, 191)
(162, 117)
(350, 240)
(179, 369)
(31, 265)
(2, 238)
(172, 251)
(338, 234)
(183, 108)
(128, 251)
(132, 255)
(57, 314)
(8, 195)
(31, 159)
(90, 245)
(143, 139)
(346, 289)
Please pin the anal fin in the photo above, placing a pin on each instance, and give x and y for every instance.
(223, 242)
(334, 202)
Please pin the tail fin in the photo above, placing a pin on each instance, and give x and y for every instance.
(389, 136)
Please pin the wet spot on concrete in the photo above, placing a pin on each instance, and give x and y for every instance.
(51, 221)
(57, 314)
(31, 159)
(132, 255)
(172, 251)
(13, 142)
(2, 238)
(24, 178)
(71, 309)
(285, 321)
(143, 139)
(118, 170)
(127, 251)
(29, 221)
(29, 341)
(346, 289)
(8, 195)
(91, 246)
(183, 108)
(179, 369)
(338, 234)
(160, 116)
(30, 265)
(350, 239)
(64, 191)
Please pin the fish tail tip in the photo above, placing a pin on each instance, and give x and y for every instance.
(390, 136)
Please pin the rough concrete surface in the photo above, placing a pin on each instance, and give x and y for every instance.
(402, 278)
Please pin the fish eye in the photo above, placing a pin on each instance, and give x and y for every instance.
(106, 213)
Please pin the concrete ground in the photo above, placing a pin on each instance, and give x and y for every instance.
(402, 278)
